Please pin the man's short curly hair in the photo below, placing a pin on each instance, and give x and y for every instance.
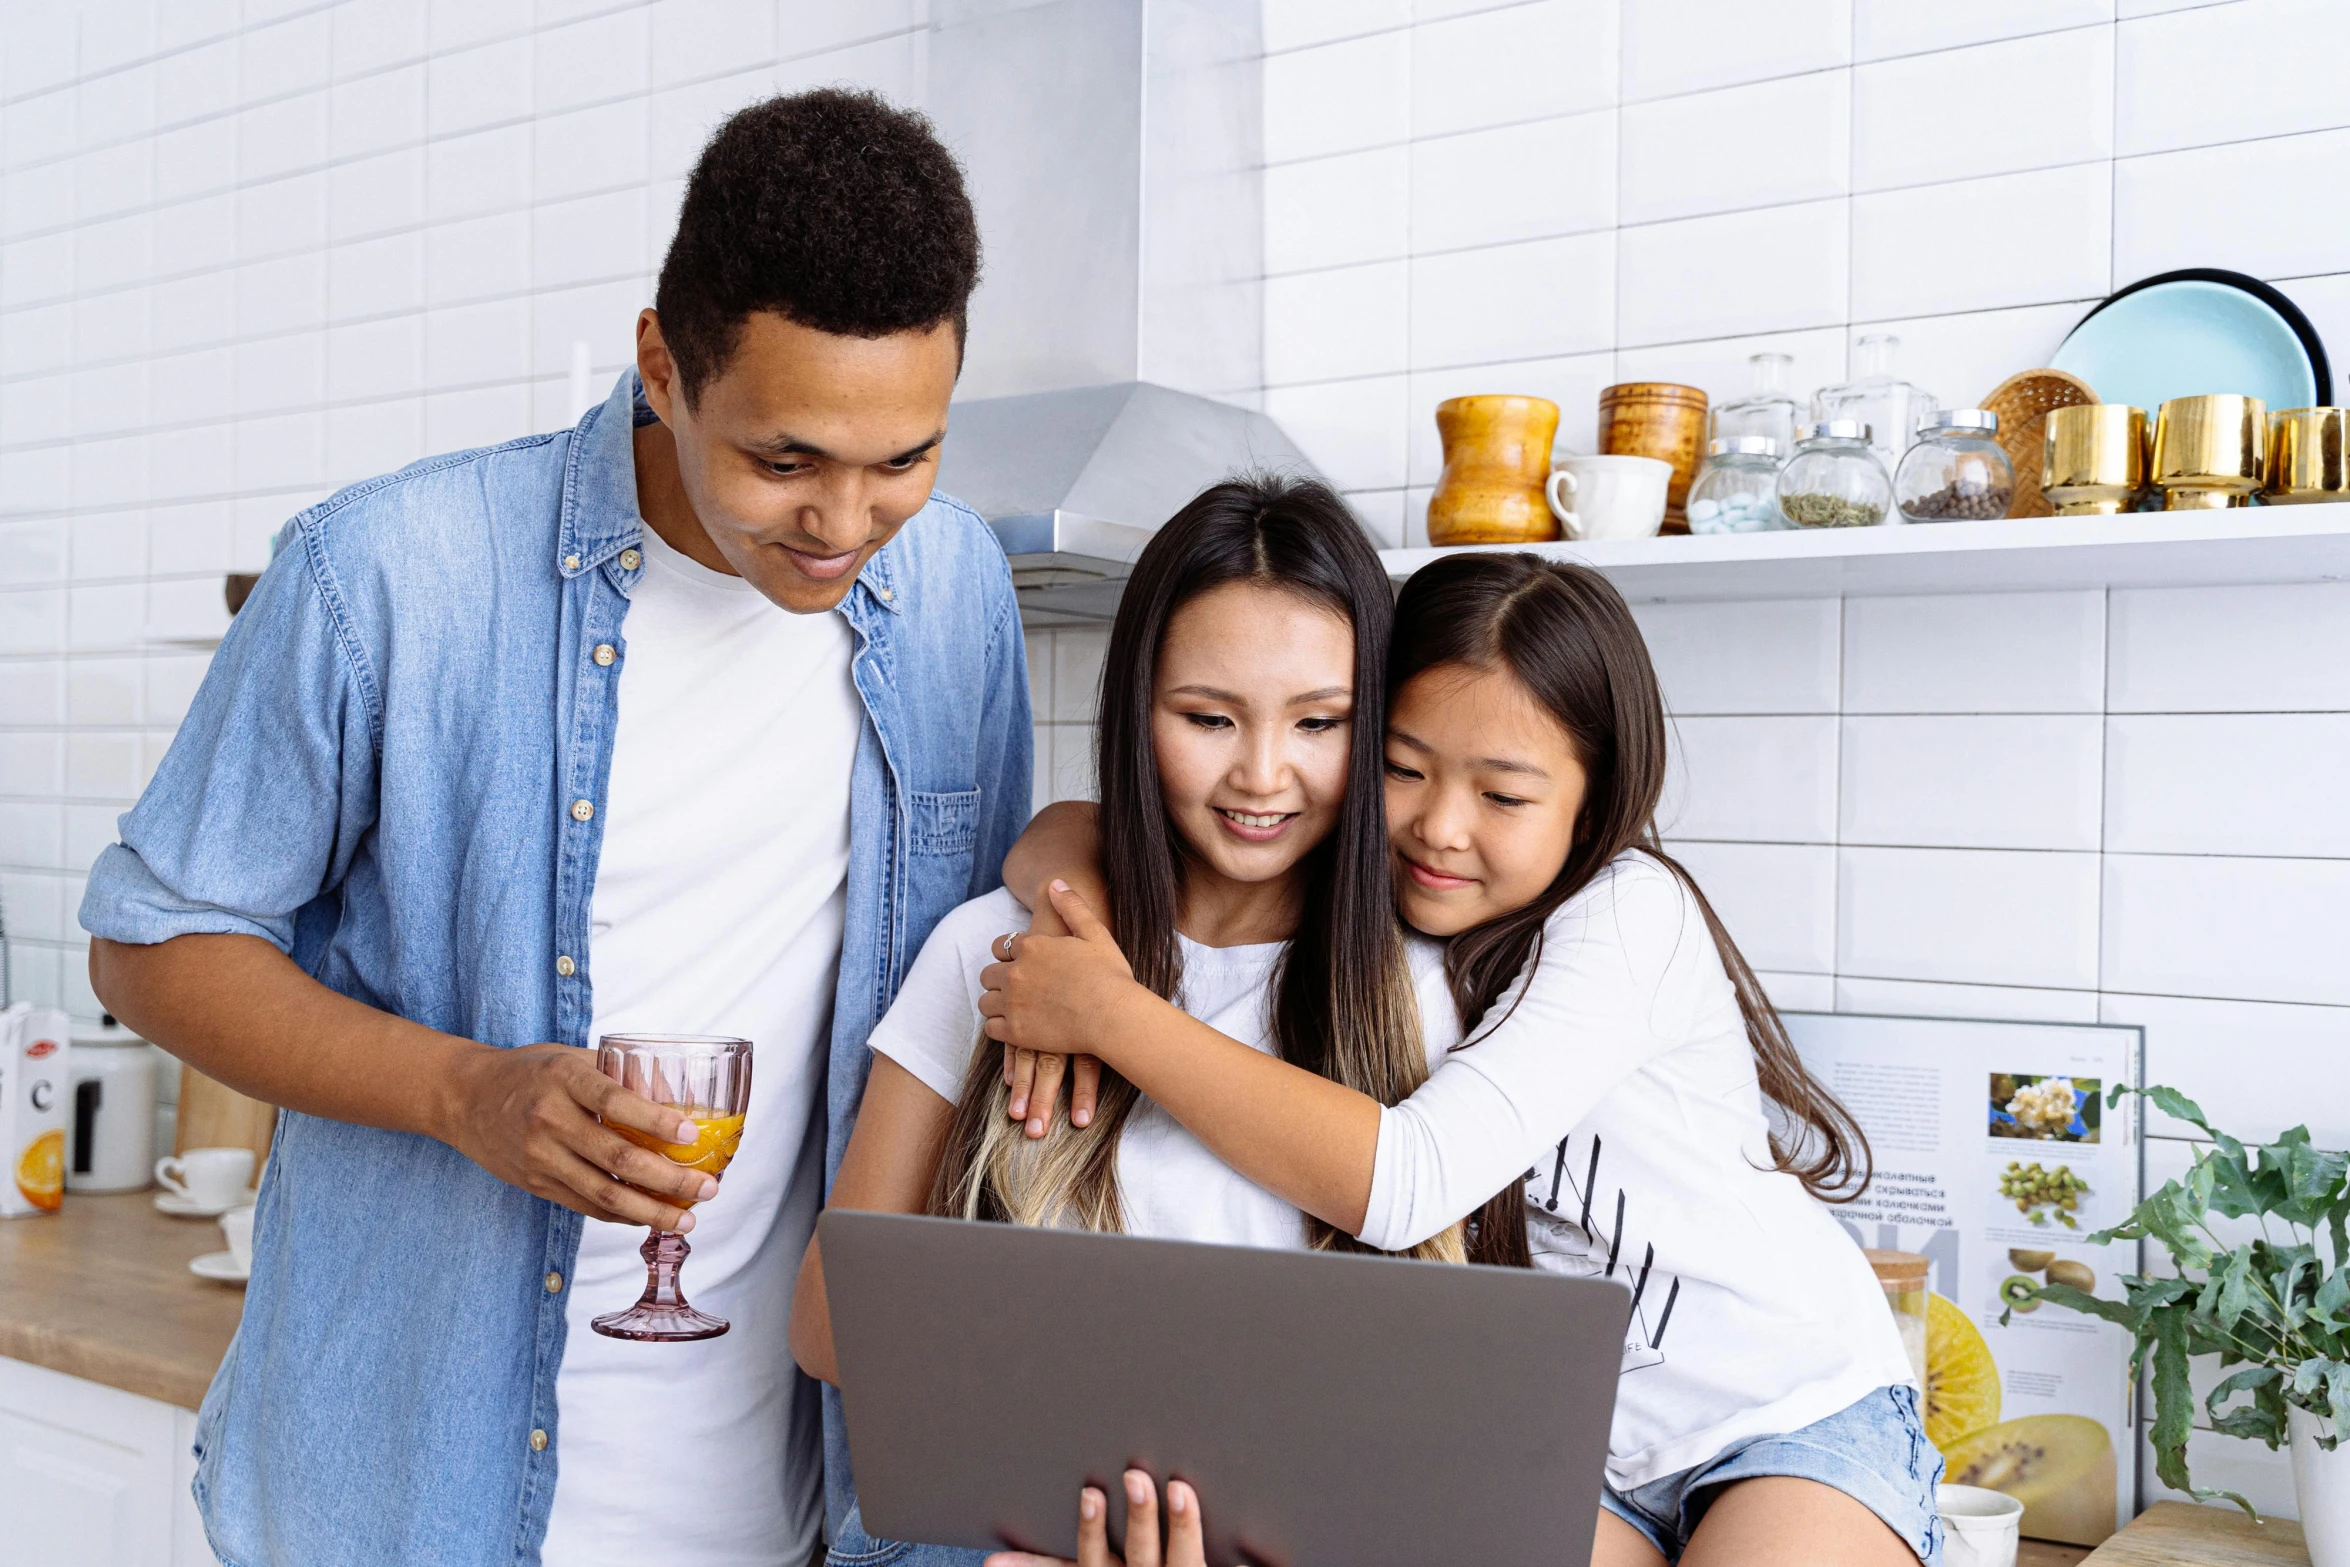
(831, 208)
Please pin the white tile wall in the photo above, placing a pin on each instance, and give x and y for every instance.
(252, 252)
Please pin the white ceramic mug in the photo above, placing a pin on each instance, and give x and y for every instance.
(237, 1225)
(1980, 1528)
(207, 1177)
(1613, 497)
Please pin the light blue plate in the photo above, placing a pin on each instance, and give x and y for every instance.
(2184, 339)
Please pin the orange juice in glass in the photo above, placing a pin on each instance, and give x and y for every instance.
(707, 1079)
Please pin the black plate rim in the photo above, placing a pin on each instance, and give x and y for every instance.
(2311, 344)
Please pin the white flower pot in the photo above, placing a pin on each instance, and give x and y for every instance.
(2321, 1488)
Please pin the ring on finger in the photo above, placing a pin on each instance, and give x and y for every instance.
(1003, 946)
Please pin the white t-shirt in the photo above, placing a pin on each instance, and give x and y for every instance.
(719, 899)
(1169, 1185)
(1622, 1092)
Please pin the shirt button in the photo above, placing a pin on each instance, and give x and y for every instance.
(630, 560)
(565, 967)
(571, 563)
(886, 594)
(582, 810)
(604, 653)
(554, 1283)
(538, 1441)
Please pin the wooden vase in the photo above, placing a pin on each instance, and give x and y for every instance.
(1496, 460)
(1657, 419)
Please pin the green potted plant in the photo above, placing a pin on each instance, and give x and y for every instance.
(2274, 1307)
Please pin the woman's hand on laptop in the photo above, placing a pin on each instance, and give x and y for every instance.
(1186, 1544)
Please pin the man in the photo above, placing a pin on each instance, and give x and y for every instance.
(694, 718)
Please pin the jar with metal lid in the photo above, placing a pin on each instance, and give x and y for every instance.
(1956, 471)
(1834, 479)
(1735, 491)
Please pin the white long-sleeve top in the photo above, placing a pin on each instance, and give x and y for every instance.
(1619, 1087)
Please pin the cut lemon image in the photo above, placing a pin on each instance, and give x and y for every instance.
(1962, 1380)
(40, 1171)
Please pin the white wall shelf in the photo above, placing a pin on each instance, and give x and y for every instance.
(2014, 555)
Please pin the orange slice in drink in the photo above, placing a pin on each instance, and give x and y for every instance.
(715, 1139)
(40, 1172)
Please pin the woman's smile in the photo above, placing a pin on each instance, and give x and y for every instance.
(1255, 826)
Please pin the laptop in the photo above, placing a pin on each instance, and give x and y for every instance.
(1331, 1410)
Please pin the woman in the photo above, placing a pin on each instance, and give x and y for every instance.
(1247, 866)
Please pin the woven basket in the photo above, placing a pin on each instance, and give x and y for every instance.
(2023, 403)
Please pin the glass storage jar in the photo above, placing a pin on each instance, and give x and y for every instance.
(1734, 491)
(1956, 472)
(1834, 480)
(1767, 409)
(1876, 397)
(1902, 1275)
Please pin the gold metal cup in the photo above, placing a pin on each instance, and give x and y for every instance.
(2209, 451)
(2094, 459)
(2308, 456)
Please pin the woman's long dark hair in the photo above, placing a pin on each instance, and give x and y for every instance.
(1567, 636)
(1343, 1003)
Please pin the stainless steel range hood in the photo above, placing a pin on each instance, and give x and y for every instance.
(1113, 150)
(1075, 482)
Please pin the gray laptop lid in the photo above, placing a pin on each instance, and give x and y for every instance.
(1331, 1410)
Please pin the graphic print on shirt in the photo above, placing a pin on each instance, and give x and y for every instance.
(1560, 1227)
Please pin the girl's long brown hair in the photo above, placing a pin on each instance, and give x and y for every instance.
(1343, 1004)
(1567, 636)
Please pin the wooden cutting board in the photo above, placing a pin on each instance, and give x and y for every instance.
(213, 1115)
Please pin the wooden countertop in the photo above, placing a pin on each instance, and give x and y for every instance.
(102, 1291)
(2170, 1534)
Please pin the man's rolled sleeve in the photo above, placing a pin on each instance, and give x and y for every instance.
(269, 786)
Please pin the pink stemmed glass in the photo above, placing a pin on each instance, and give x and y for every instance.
(707, 1079)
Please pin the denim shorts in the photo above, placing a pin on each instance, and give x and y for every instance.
(1874, 1451)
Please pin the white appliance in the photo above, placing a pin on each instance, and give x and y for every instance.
(110, 1115)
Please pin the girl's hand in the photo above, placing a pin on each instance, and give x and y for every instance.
(1051, 994)
(1186, 1545)
(1027, 1073)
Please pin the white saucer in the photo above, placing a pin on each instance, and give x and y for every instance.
(188, 1208)
(220, 1265)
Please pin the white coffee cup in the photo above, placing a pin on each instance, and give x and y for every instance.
(1613, 497)
(1980, 1528)
(207, 1177)
(237, 1225)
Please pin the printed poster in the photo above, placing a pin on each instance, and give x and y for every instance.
(1996, 1158)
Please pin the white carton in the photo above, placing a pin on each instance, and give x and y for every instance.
(35, 1076)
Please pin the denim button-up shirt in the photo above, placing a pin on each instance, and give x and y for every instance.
(384, 775)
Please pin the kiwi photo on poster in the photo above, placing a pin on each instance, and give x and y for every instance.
(1996, 1161)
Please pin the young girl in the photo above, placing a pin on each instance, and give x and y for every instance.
(1625, 1087)
(1249, 868)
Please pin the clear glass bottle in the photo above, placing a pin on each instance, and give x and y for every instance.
(1834, 479)
(1767, 409)
(1735, 491)
(1956, 472)
(1876, 397)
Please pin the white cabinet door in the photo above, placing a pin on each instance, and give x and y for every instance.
(91, 1476)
